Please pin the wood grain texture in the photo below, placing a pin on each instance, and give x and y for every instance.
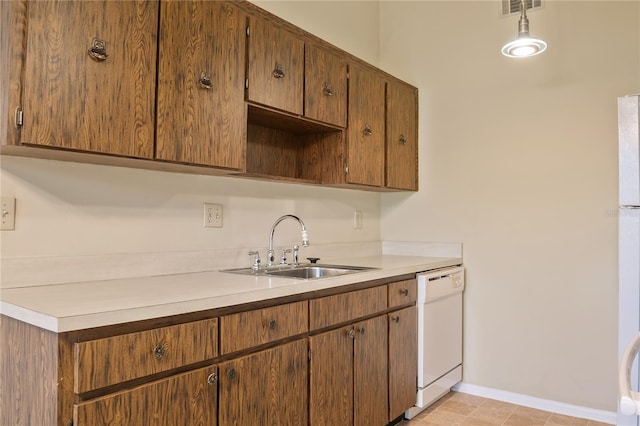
(74, 102)
(103, 362)
(266, 388)
(28, 374)
(269, 45)
(402, 123)
(197, 125)
(371, 386)
(13, 21)
(323, 68)
(260, 326)
(331, 378)
(403, 360)
(184, 399)
(339, 308)
(366, 152)
(403, 292)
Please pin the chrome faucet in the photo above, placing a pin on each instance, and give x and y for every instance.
(303, 229)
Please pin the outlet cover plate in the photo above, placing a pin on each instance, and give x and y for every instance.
(212, 215)
(8, 210)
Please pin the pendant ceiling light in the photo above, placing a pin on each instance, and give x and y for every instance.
(524, 45)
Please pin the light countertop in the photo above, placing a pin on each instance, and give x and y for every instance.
(75, 306)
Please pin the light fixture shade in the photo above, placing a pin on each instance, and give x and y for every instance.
(525, 45)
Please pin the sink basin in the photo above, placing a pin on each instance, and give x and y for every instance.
(305, 272)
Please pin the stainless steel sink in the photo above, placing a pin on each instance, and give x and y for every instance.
(306, 272)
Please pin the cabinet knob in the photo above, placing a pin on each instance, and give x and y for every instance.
(403, 140)
(98, 50)
(231, 373)
(159, 350)
(272, 324)
(278, 72)
(352, 334)
(212, 379)
(327, 89)
(404, 292)
(361, 330)
(367, 130)
(205, 81)
(396, 319)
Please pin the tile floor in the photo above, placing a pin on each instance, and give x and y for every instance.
(458, 408)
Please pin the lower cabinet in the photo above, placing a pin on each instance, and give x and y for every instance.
(185, 399)
(266, 388)
(348, 375)
(403, 360)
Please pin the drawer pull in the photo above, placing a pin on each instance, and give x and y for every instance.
(231, 373)
(403, 140)
(327, 89)
(278, 72)
(404, 292)
(98, 50)
(205, 81)
(212, 379)
(351, 334)
(159, 350)
(367, 130)
(272, 324)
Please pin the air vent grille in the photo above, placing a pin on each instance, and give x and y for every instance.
(513, 6)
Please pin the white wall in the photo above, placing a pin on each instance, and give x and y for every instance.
(518, 160)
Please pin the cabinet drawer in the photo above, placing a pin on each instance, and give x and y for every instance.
(260, 326)
(330, 310)
(103, 362)
(402, 292)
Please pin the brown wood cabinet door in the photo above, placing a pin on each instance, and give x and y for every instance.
(366, 127)
(202, 117)
(73, 101)
(370, 389)
(403, 360)
(402, 137)
(331, 378)
(325, 87)
(266, 388)
(186, 399)
(276, 67)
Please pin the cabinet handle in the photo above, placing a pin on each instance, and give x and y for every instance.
(205, 81)
(404, 292)
(212, 379)
(272, 324)
(367, 130)
(278, 72)
(403, 140)
(361, 331)
(352, 334)
(159, 350)
(396, 319)
(231, 373)
(98, 51)
(327, 89)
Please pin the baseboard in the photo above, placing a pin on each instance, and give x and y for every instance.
(602, 416)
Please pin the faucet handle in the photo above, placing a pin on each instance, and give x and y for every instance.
(313, 259)
(256, 260)
(283, 259)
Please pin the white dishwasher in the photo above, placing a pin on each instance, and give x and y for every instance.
(439, 335)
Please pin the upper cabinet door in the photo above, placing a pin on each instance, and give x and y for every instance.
(366, 127)
(325, 87)
(90, 76)
(402, 136)
(202, 117)
(276, 67)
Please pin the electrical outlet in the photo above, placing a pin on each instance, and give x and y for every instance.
(357, 219)
(212, 215)
(8, 210)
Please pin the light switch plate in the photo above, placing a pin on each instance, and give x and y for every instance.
(212, 215)
(8, 210)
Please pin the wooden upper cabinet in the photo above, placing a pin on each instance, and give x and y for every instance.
(325, 86)
(90, 76)
(402, 137)
(275, 67)
(202, 118)
(366, 127)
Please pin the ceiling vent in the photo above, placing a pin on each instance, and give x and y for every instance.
(513, 6)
